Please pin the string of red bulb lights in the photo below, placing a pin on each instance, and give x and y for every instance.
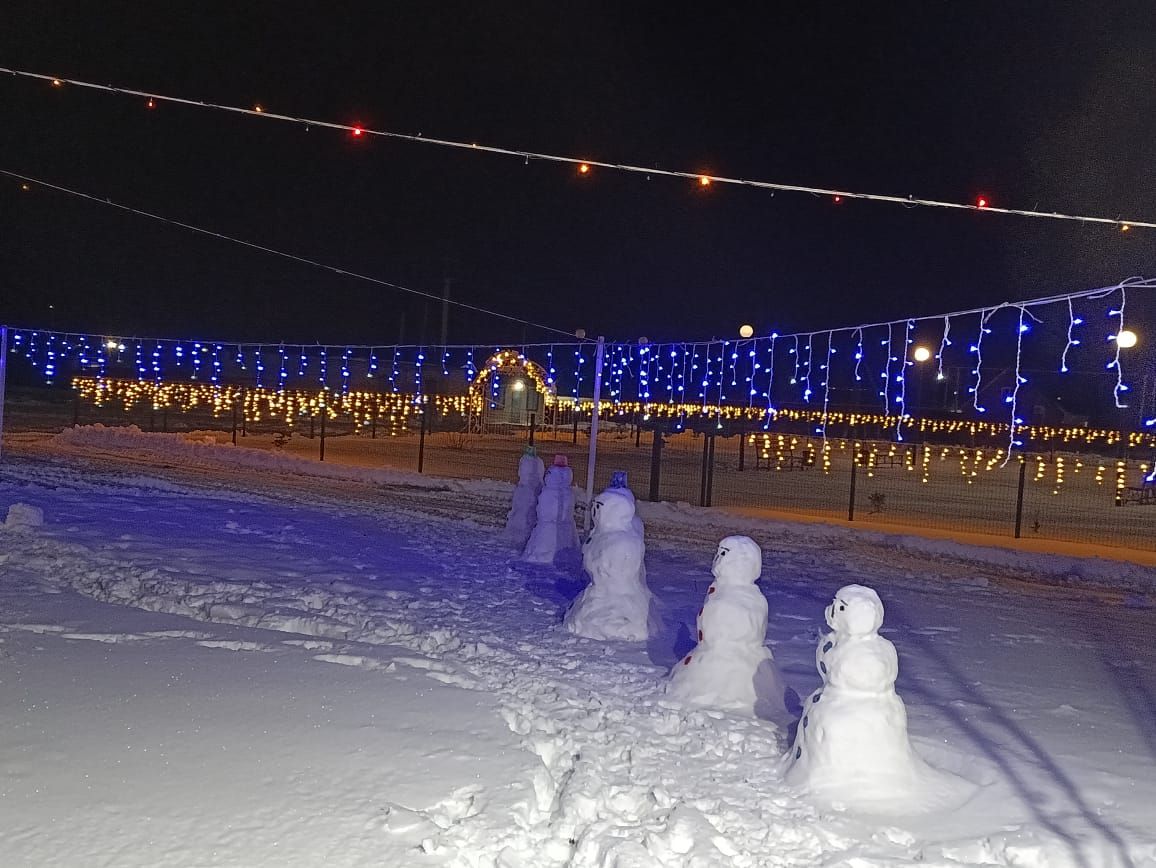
(586, 166)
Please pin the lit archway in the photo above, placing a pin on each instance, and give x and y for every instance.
(505, 363)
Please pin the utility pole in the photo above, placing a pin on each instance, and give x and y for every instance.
(446, 310)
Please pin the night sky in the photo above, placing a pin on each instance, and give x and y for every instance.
(1048, 105)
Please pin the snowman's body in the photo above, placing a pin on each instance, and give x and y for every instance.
(523, 514)
(731, 667)
(852, 746)
(616, 604)
(554, 529)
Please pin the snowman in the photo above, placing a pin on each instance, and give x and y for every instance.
(731, 668)
(852, 747)
(616, 604)
(522, 516)
(554, 530)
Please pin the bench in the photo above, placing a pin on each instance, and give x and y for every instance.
(786, 462)
(1140, 495)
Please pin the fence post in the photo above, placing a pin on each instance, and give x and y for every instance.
(710, 471)
(235, 423)
(421, 440)
(244, 421)
(854, 472)
(373, 423)
(575, 424)
(655, 464)
(3, 378)
(533, 425)
(742, 448)
(324, 413)
(702, 475)
(637, 431)
(1020, 496)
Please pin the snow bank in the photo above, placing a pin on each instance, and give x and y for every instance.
(201, 447)
(24, 515)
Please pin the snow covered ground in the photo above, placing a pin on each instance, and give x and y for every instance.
(205, 661)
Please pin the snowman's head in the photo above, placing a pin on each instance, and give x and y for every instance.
(613, 510)
(855, 611)
(558, 477)
(530, 470)
(738, 561)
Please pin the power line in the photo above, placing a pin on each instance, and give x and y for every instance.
(585, 164)
(302, 259)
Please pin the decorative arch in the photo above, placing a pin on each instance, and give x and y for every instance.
(511, 362)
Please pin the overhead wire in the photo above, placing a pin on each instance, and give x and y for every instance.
(703, 178)
(345, 272)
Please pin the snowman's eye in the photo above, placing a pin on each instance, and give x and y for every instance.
(841, 608)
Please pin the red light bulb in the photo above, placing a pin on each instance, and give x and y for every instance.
(981, 202)
(357, 131)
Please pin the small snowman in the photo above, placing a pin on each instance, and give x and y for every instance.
(522, 517)
(731, 668)
(554, 529)
(616, 604)
(852, 747)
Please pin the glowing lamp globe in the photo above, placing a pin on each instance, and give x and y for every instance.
(1126, 339)
(746, 331)
(922, 354)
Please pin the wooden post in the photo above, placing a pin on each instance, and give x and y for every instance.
(710, 472)
(854, 470)
(702, 475)
(421, 441)
(655, 464)
(324, 413)
(1020, 496)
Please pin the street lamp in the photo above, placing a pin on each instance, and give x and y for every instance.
(921, 354)
(1126, 339)
(746, 331)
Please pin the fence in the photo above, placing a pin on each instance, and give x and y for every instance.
(1055, 494)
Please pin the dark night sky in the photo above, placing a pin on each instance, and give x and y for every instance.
(1036, 104)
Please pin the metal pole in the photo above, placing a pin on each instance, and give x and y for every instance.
(235, 422)
(3, 377)
(533, 421)
(594, 430)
